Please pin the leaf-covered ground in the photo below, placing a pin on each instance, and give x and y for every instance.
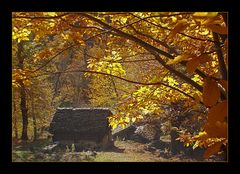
(124, 151)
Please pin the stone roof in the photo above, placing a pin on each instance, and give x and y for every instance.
(80, 122)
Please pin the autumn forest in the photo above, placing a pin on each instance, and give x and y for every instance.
(126, 86)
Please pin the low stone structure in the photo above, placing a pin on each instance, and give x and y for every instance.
(86, 128)
(124, 133)
(142, 133)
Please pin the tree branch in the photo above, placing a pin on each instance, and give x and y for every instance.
(179, 74)
(200, 73)
(150, 48)
(126, 80)
(47, 62)
(192, 37)
(156, 40)
(222, 66)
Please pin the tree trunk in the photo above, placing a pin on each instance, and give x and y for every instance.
(34, 127)
(34, 119)
(23, 103)
(114, 86)
(15, 121)
(85, 80)
(23, 106)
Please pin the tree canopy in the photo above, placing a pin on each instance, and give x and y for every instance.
(132, 62)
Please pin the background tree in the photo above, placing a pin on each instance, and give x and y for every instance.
(182, 57)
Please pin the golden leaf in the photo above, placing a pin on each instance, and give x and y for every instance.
(197, 143)
(226, 43)
(197, 97)
(218, 112)
(192, 65)
(181, 25)
(203, 58)
(215, 148)
(211, 92)
(114, 126)
(218, 29)
(212, 20)
(133, 119)
(179, 59)
(224, 84)
(127, 119)
(217, 129)
(205, 14)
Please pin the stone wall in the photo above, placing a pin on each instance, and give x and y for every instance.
(78, 125)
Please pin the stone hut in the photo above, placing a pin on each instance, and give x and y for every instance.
(86, 128)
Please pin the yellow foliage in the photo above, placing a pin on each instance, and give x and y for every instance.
(20, 35)
(211, 92)
(218, 29)
(179, 58)
(119, 54)
(205, 14)
(180, 26)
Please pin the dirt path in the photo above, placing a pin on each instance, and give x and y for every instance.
(130, 151)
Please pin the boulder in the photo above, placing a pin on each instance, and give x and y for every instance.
(126, 133)
(148, 131)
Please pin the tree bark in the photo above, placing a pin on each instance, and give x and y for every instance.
(15, 120)
(114, 86)
(34, 119)
(23, 102)
(23, 106)
(225, 18)
(85, 80)
(222, 66)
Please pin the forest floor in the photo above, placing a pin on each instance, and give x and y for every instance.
(124, 151)
(130, 151)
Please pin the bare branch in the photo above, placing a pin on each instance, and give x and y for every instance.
(155, 51)
(126, 80)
